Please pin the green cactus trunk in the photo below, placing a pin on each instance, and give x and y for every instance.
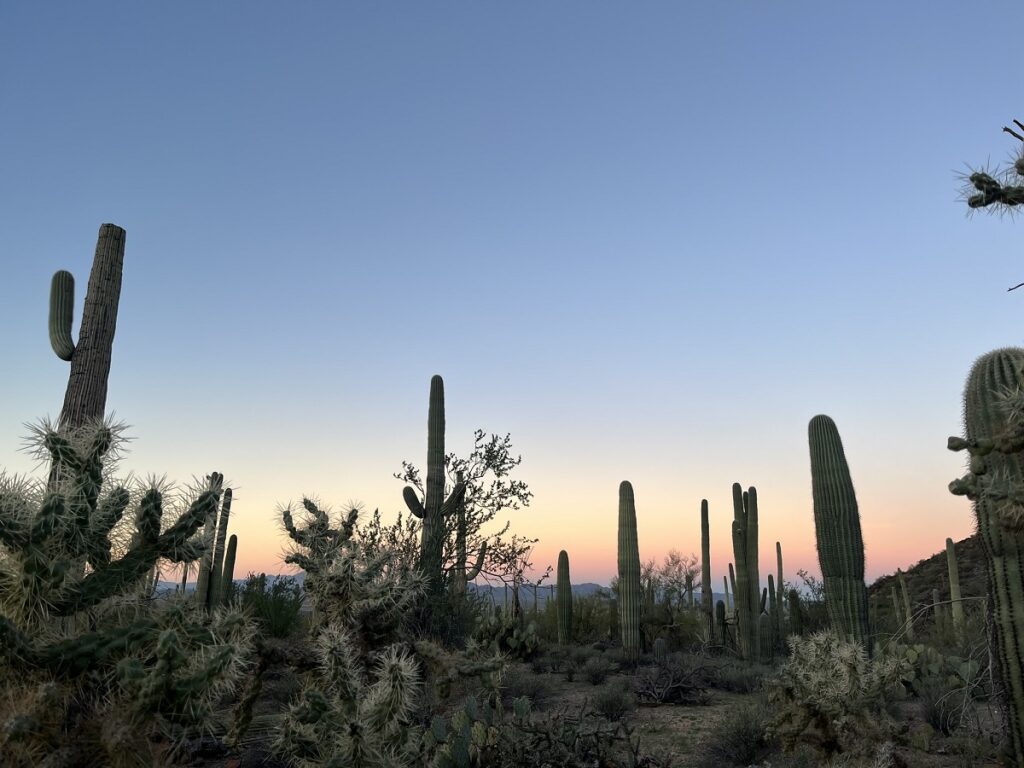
(773, 613)
(955, 596)
(706, 594)
(564, 604)
(720, 621)
(86, 395)
(216, 590)
(897, 611)
(908, 611)
(747, 591)
(227, 580)
(796, 614)
(629, 574)
(434, 508)
(838, 535)
(766, 639)
(732, 584)
(780, 597)
(994, 483)
(660, 651)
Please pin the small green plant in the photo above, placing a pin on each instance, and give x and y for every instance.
(614, 701)
(277, 607)
(596, 669)
(739, 739)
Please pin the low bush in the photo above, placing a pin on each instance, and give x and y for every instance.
(739, 739)
(277, 607)
(614, 701)
(596, 669)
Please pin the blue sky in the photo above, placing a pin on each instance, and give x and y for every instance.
(651, 241)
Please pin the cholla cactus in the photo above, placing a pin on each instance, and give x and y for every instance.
(830, 695)
(108, 679)
(356, 710)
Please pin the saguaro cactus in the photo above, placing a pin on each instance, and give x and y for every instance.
(706, 594)
(837, 531)
(629, 573)
(780, 597)
(993, 411)
(796, 616)
(460, 574)
(747, 591)
(227, 580)
(564, 604)
(435, 507)
(216, 596)
(954, 589)
(86, 395)
(908, 610)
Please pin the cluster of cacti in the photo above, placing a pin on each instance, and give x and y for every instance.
(502, 632)
(747, 585)
(76, 557)
(629, 573)
(994, 426)
(564, 603)
(213, 585)
(837, 532)
(435, 508)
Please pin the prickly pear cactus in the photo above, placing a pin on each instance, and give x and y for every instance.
(994, 426)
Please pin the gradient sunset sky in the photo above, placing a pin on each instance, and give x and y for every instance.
(649, 240)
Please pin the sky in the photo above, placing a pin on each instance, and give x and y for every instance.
(650, 241)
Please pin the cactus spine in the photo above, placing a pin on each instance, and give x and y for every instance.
(838, 535)
(629, 573)
(992, 422)
(747, 590)
(954, 589)
(706, 596)
(227, 580)
(435, 507)
(564, 604)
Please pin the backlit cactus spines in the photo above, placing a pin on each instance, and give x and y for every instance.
(706, 595)
(629, 573)
(954, 588)
(564, 603)
(837, 532)
(435, 507)
(747, 593)
(227, 579)
(86, 394)
(995, 485)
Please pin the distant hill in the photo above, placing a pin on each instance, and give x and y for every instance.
(931, 573)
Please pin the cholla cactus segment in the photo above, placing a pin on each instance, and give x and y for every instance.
(995, 484)
(830, 694)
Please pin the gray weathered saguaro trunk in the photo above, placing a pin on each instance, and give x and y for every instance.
(86, 395)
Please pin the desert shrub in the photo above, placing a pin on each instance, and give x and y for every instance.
(829, 695)
(596, 669)
(678, 679)
(575, 658)
(93, 672)
(614, 701)
(500, 632)
(518, 683)
(739, 739)
(277, 608)
(739, 677)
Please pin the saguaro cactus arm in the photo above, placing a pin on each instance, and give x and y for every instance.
(62, 310)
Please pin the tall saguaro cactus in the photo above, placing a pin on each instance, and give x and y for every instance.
(564, 603)
(955, 596)
(747, 590)
(995, 484)
(629, 573)
(780, 599)
(837, 531)
(435, 507)
(706, 592)
(461, 575)
(86, 395)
